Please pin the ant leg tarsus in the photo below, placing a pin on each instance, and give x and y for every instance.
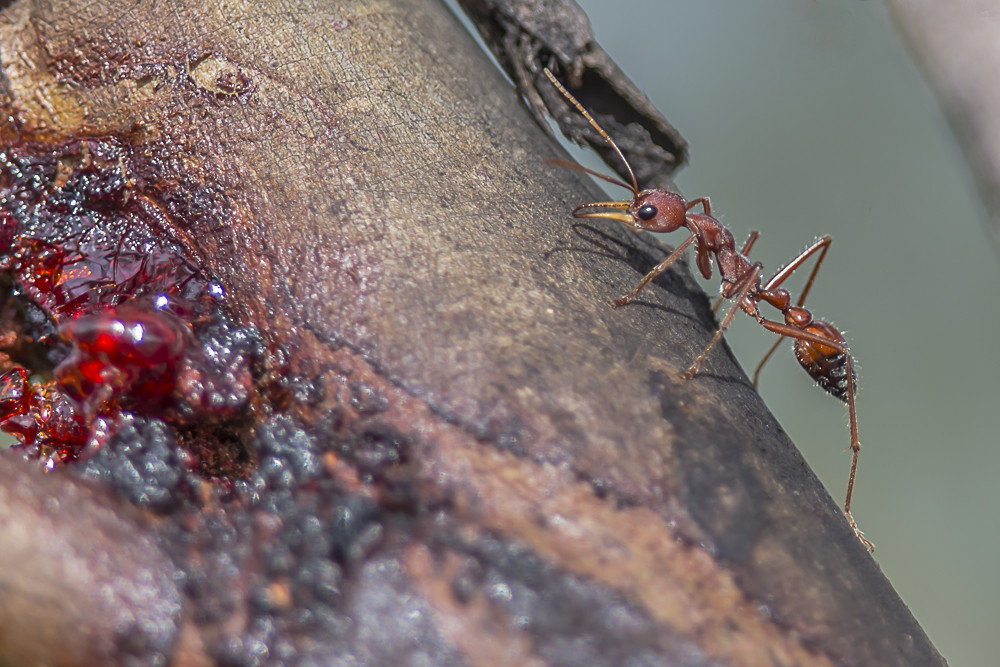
(855, 452)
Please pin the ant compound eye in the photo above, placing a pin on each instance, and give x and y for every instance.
(647, 212)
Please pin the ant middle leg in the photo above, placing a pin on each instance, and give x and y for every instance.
(821, 246)
(746, 283)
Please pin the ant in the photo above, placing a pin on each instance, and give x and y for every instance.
(820, 348)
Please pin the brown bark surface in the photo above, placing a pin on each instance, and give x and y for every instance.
(373, 196)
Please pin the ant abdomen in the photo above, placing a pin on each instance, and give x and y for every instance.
(827, 365)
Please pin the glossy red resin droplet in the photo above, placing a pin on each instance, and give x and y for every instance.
(133, 349)
(105, 265)
(14, 394)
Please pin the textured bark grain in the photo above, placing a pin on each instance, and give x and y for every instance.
(372, 194)
(64, 601)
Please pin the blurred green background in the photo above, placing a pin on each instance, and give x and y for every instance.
(809, 118)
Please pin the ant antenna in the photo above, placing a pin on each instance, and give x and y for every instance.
(587, 170)
(579, 107)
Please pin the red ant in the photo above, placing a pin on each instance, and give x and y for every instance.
(819, 347)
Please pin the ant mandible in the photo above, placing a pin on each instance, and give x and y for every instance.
(819, 346)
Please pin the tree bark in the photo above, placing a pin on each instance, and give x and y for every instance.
(504, 469)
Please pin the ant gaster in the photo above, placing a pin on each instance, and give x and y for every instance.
(819, 346)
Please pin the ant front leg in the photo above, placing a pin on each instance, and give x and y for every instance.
(657, 270)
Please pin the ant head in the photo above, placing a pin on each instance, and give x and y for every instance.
(650, 210)
(658, 211)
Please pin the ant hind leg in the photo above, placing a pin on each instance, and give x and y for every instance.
(821, 246)
(789, 331)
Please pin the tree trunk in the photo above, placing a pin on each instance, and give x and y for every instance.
(475, 460)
